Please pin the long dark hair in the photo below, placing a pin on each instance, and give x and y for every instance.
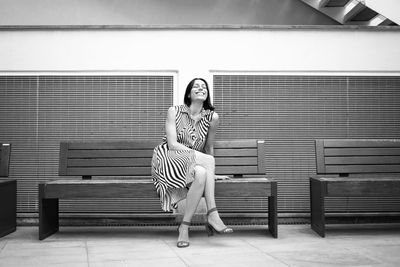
(207, 103)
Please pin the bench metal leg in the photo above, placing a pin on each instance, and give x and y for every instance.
(273, 210)
(317, 203)
(8, 207)
(48, 215)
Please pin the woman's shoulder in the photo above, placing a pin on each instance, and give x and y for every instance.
(211, 115)
(176, 107)
(181, 108)
(214, 115)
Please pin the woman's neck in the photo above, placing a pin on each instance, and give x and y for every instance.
(195, 108)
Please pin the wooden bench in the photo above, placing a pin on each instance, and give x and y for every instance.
(133, 159)
(8, 194)
(362, 168)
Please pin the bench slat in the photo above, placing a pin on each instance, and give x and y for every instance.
(110, 162)
(127, 162)
(146, 171)
(114, 145)
(243, 188)
(355, 143)
(352, 187)
(361, 151)
(362, 169)
(149, 153)
(110, 153)
(144, 188)
(230, 161)
(236, 144)
(367, 160)
(226, 170)
(146, 144)
(373, 177)
(110, 171)
(247, 152)
(100, 190)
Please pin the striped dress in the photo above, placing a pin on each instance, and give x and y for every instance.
(173, 170)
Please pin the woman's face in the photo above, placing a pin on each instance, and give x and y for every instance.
(199, 91)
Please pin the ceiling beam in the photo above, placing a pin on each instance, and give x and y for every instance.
(386, 22)
(359, 7)
(323, 3)
(350, 12)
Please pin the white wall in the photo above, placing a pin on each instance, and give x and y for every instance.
(193, 53)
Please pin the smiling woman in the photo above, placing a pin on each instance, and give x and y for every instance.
(183, 165)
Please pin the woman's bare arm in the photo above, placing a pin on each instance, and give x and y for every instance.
(209, 146)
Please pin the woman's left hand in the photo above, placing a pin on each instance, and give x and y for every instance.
(221, 177)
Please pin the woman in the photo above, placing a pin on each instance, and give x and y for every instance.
(183, 165)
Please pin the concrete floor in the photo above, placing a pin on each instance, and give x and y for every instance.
(297, 245)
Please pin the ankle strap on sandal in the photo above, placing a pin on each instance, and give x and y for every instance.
(211, 211)
(185, 223)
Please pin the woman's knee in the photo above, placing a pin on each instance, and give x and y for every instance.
(200, 174)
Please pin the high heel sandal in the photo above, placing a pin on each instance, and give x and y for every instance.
(183, 244)
(210, 229)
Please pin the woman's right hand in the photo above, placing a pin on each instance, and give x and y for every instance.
(221, 177)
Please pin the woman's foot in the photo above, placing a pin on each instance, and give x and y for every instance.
(183, 239)
(216, 223)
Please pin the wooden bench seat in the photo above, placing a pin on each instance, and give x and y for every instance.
(363, 167)
(8, 194)
(132, 161)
